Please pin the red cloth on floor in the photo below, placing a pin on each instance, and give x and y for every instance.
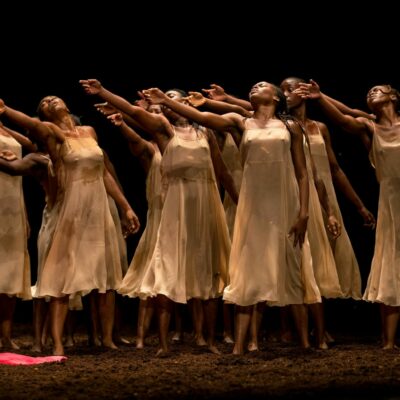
(19, 359)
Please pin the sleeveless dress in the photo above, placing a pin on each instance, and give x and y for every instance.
(323, 261)
(384, 279)
(144, 251)
(264, 265)
(346, 262)
(84, 253)
(15, 276)
(191, 254)
(231, 156)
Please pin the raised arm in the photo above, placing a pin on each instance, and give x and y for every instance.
(359, 126)
(25, 166)
(341, 181)
(207, 119)
(196, 99)
(218, 93)
(152, 123)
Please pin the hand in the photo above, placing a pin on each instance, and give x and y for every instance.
(308, 90)
(2, 106)
(8, 155)
(116, 119)
(130, 223)
(106, 108)
(216, 92)
(196, 99)
(368, 217)
(91, 86)
(155, 96)
(298, 230)
(334, 226)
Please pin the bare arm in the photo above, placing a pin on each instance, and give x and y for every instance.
(129, 220)
(25, 166)
(222, 172)
(152, 123)
(299, 162)
(341, 181)
(207, 119)
(138, 146)
(218, 93)
(21, 139)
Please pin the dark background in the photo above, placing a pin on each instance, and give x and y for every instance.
(189, 47)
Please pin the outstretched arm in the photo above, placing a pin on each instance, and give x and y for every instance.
(17, 166)
(207, 119)
(341, 181)
(196, 99)
(152, 123)
(358, 126)
(218, 93)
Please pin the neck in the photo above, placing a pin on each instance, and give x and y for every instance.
(264, 112)
(387, 115)
(65, 122)
(299, 113)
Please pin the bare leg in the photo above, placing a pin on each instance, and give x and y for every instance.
(317, 311)
(198, 321)
(106, 313)
(58, 314)
(7, 312)
(164, 310)
(146, 311)
(286, 331)
(70, 328)
(39, 315)
(391, 319)
(94, 339)
(256, 319)
(227, 315)
(242, 321)
(118, 339)
(300, 315)
(211, 308)
(178, 334)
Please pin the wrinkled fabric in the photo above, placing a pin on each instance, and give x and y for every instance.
(19, 359)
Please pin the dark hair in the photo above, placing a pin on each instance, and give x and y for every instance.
(295, 78)
(392, 90)
(180, 91)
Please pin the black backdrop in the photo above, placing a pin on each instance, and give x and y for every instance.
(346, 53)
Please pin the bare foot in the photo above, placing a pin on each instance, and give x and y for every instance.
(390, 347)
(322, 346)
(200, 341)
(110, 345)
(213, 349)
(252, 346)
(95, 342)
(37, 348)
(9, 344)
(58, 350)
(163, 353)
(69, 342)
(139, 343)
(228, 339)
(121, 340)
(237, 351)
(177, 337)
(329, 338)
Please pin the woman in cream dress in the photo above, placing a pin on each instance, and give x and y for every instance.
(382, 139)
(84, 254)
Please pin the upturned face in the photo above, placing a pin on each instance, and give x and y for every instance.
(379, 95)
(262, 92)
(49, 105)
(292, 99)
